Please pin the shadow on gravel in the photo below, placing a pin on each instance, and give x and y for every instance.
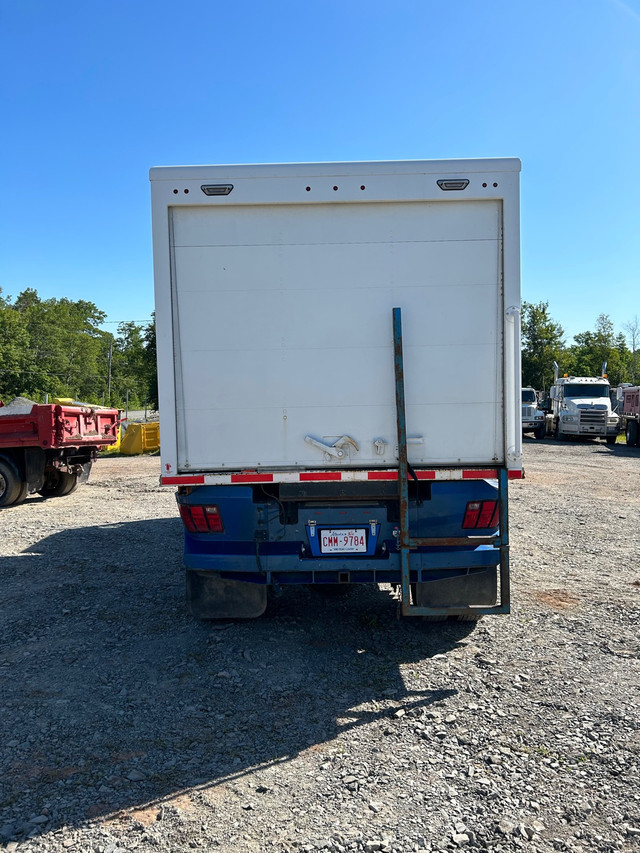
(115, 699)
(617, 450)
(621, 451)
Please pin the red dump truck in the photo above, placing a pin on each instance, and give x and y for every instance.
(49, 448)
(630, 396)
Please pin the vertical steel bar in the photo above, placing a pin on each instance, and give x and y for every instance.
(403, 467)
(505, 577)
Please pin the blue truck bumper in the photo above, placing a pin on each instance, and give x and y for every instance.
(267, 539)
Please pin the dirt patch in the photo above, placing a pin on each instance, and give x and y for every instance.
(558, 599)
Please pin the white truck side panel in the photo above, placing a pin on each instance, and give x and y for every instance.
(278, 318)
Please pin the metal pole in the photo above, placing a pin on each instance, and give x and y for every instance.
(109, 373)
(403, 465)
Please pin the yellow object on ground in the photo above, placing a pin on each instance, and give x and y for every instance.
(140, 438)
(114, 448)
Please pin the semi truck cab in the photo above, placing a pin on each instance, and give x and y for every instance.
(581, 408)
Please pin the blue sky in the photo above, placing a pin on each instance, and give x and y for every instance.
(94, 93)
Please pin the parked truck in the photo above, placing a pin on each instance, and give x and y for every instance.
(630, 399)
(533, 418)
(339, 378)
(581, 407)
(49, 448)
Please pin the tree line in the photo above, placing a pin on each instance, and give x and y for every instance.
(543, 342)
(56, 347)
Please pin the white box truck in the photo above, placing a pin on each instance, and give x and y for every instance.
(339, 377)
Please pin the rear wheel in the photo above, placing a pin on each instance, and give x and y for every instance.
(540, 431)
(631, 433)
(58, 484)
(22, 494)
(11, 486)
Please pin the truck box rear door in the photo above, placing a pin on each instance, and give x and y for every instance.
(282, 324)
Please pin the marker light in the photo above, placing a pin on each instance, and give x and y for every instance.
(459, 184)
(216, 189)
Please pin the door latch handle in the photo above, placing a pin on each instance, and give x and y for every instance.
(336, 449)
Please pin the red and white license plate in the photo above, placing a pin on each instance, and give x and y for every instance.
(352, 540)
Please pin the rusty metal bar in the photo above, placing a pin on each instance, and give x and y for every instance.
(403, 465)
(505, 577)
(406, 543)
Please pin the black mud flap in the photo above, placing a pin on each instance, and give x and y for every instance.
(83, 476)
(478, 589)
(211, 597)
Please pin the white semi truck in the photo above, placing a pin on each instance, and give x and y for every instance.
(316, 324)
(581, 407)
(533, 418)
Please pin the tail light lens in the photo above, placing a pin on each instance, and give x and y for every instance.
(201, 519)
(480, 514)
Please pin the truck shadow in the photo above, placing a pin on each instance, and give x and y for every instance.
(618, 450)
(115, 699)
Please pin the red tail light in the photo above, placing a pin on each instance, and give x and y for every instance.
(480, 514)
(201, 519)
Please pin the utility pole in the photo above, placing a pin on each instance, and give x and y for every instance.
(109, 373)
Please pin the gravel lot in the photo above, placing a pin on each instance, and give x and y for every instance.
(327, 724)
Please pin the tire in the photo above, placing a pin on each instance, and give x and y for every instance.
(22, 494)
(631, 433)
(611, 439)
(59, 484)
(11, 486)
(540, 431)
(559, 436)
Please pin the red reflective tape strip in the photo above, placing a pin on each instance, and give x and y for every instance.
(183, 481)
(516, 475)
(382, 475)
(313, 476)
(426, 475)
(488, 474)
(252, 478)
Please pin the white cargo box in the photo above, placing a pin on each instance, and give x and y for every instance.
(274, 314)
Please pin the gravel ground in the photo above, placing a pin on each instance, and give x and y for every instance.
(326, 724)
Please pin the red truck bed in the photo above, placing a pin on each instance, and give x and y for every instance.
(55, 426)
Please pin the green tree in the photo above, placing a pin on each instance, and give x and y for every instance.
(65, 347)
(127, 381)
(134, 366)
(151, 363)
(542, 344)
(15, 361)
(632, 329)
(592, 349)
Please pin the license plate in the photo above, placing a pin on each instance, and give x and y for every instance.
(351, 540)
